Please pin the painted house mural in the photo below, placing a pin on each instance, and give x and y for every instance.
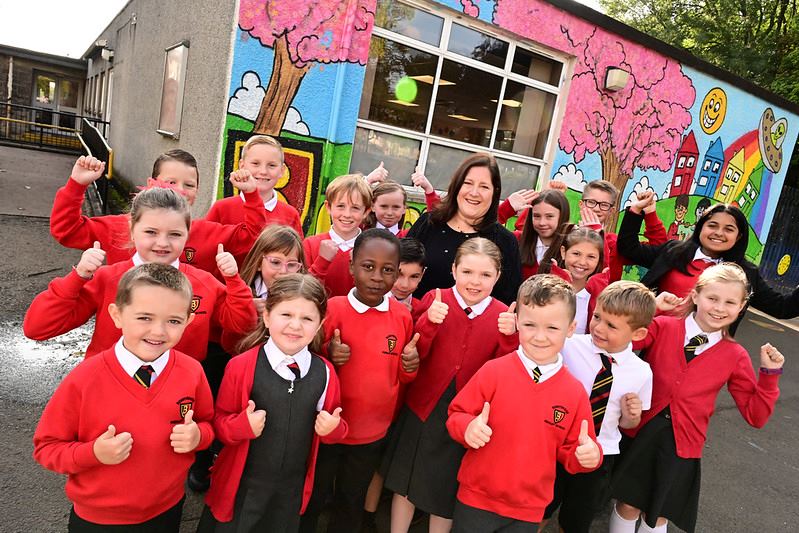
(299, 71)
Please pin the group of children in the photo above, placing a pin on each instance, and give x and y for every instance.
(487, 417)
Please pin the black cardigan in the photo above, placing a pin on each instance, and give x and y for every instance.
(660, 259)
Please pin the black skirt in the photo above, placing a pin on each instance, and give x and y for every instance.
(422, 459)
(650, 476)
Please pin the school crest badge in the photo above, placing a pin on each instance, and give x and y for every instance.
(189, 254)
(391, 340)
(185, 405)
(195, 303)
(558, 413)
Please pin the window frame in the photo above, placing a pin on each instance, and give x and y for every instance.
(506, 74)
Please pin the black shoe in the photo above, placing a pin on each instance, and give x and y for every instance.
(199, 478)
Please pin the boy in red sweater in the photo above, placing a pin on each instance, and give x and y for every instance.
(508, 472)
(371, 343)
(261, 158)
(125, 425)
(348, 199)
(411, 270)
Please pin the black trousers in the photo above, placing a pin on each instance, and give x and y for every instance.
(470, 519)
(580, 496)
(166, 522)
(343, 474)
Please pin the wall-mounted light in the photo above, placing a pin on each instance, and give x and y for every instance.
(107, 54)
(616, 79)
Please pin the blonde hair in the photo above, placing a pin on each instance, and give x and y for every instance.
(159, 198)
(290, 287)
(479, 246)
(153, 275)
(724, 273)
(544, 289)
(629, 299)
(274, 238)
(261, 139)
(348, 184)
(603, 186)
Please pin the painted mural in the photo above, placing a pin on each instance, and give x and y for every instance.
(298, 71)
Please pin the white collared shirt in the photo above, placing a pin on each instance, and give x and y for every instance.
(393, 229)
(581, 316)
(131, 363)
(630, 374)
(280, 364)
(261, 290)
(137, 260)
(699, 254)
(547, 371)
(343, 245)
(407, 302)
(361, 307)
(269, 205)
(477, 309)
(692, 329)
(540, 250)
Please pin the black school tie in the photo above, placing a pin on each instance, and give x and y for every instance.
(600, 392)
(143, 375)
(695, 342)
(536, 374)
(295, 369)
(467, 310)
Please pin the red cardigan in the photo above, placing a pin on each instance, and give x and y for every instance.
(654, 233)
(74, 230)
(371, 379)
(97, 393)
(690, 389)
(233, 430)
(334, 274)
(71, 301)
(534, 427)
(454, 349)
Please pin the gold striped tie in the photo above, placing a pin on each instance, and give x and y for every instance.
(144, 375)
(695, 342)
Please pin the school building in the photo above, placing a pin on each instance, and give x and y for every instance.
(552, 88)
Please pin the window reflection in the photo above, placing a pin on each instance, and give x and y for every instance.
(398, 154)
(536, 66)
(524, 120)
(471, 43)
(409, 21)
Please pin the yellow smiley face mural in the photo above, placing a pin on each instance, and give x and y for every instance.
(713, 110)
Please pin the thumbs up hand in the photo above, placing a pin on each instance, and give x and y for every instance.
(438, 310)
(185, 437)
(326, 423)
(420, 180)
(112, 449)
(257, 418)
(243, 180)
(507, 320)
(90, 261)
(225, 262)
(87, 170)
(478, 432)
(587, 451)
(410, 355)
(339, 352)
(377, 175)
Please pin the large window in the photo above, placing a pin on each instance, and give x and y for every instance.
(438, 89)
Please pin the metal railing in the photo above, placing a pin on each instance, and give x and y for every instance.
(44, 128)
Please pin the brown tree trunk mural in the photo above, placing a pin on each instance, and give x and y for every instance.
(283, 85)
(611, 171)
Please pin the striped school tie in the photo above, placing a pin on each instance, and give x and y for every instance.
(536, 374)
(295, 369)
(143, 375)
(695, 342)
(467, 310)
(600, 392)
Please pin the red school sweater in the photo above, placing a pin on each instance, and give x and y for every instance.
(371, 379)
(234, 431)
(72, 229)
(654, 233)
(70, 301)
(454, 349)
(534, 427)
(98, 393)
(334, 274)
(690, 389)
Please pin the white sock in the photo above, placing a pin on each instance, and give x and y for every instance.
(619, 524)
(644, 528)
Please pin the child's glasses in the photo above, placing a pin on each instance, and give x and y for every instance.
(278, 265)
(603, 206)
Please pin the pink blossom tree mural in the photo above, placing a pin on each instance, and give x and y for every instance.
(639, 126)
(304, 32)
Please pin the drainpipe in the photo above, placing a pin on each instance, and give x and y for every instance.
(9, 88)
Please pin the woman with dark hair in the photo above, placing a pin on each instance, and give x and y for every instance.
(721, 234)
(468, 210)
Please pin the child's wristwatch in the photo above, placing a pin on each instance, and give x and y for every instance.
(771, 371)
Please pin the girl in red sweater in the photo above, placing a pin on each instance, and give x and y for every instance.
(691, 358)
(462, 328)
(276, 403)
(124, 426)
(544, 221)
(160, 222)
(388, 208)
